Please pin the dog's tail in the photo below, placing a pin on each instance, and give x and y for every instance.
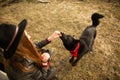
(95, 19)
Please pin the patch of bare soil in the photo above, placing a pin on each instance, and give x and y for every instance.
(72, 17)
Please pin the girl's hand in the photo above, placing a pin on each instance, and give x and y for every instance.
(45, 57)
(55, 35)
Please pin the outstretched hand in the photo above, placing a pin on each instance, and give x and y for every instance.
(55, 35)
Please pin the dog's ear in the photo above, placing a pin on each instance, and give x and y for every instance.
(61, 33)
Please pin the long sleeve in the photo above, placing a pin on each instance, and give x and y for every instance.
(42, 43)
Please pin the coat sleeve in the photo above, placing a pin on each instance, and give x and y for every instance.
(16, 74)
(42, 43)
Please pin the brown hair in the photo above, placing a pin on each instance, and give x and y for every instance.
(25, 49)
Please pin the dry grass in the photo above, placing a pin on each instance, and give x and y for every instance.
(71, 17)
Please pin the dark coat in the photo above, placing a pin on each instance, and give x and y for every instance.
(37, 74)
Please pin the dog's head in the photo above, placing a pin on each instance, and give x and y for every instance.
(96, 16)
(68, 41)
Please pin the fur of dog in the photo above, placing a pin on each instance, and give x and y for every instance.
(84, 44)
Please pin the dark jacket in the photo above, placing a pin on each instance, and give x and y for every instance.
(37, 74)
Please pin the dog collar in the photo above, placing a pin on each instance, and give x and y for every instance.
(75, 51)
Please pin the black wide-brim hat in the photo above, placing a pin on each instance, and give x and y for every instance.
(12, 49)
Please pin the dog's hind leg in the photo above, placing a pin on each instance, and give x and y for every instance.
(91, 45)
(92, 42)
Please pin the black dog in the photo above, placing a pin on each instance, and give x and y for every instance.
(80, 47)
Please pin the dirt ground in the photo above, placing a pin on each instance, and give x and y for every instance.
(72, 17)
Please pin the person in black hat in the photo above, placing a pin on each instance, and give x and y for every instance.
(22, 59)
(10, 36)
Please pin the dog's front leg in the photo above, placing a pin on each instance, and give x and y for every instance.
(74, 63)
(79, 57)
(71, 60)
